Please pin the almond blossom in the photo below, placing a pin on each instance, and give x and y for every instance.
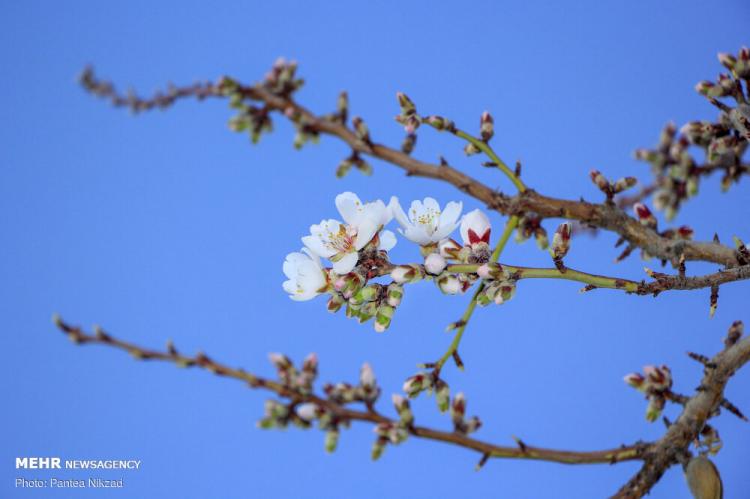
(307, 279)
(426, 224)
(341, 242)
(475, 228)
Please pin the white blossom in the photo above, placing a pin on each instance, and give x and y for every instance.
(426, 223)
(341, 242)
(475, 228)
(306, 277)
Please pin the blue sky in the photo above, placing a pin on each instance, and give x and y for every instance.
(167, 225)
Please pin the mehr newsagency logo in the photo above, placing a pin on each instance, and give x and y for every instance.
(57, 463)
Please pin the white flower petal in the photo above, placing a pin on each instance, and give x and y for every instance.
(387, 240)
(317, 246)
(430, 204)
(365, 232)
(398, 212)
(346, 263)
(416, 235)
(451, 213)
(350, 207)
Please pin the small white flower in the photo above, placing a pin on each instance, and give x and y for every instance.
(341, 242)
(307, 279)
(426, 224)
(475, 228)
(434, 263)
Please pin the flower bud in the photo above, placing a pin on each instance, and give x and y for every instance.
(659, 378)
(307, 412)
(449, 284)
(506, 291)
(335, 302)
(624, 183)
(475, 228)
(726, 83)
(667, 136)
(646, 155)
(727, 60)
(470, 149)
(281, 361)
(561, 241)
(442, 395)
(472, 425)
(600, 181)
(644, 215)
(348, 284)
(367, 311)
(331, 440)
(367, 376)
(434, 263)
(542, 241)
(655, 406)
(439, 123)
(407, 274)
(377, 448)
(722, 148)
(394, 294)
(410, 140)
(736, 331)
(636, 380)
(485, 271)
(310, 364)
(343, 168)
(739, 117)
(449, 248)
(360, 129)
(487, 126)
(383, 318)
(368, 293)
(407, 106)
(416, 384)
(403, 408)
(707, 88)
(703, 478)
(458, 409)
(742, 66)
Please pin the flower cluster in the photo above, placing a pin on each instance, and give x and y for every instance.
(656, 384)
(723, 142)
(358, 246)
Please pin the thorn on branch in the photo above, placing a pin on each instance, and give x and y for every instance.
(482, 462)
(726, 404)
(714, 300)
(457, 360)
(520, 443)
(702, 359)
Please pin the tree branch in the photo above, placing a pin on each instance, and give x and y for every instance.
(674, 445)
(201, 360)
(604, 216)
